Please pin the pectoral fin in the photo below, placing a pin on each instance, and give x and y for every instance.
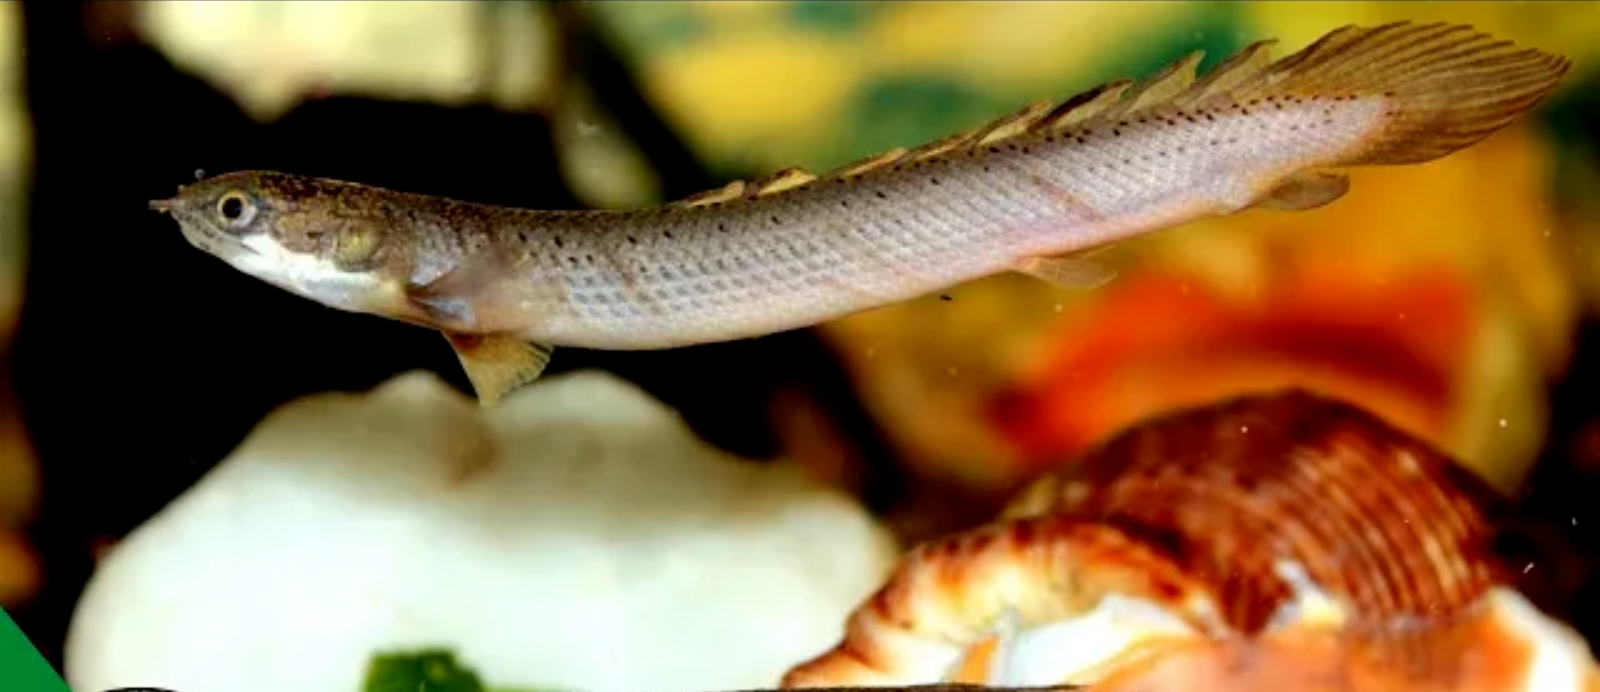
(1075, 270)
(497, 365)
(1305, 190)
(449, 300)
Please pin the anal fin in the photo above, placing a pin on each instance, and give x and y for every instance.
(1305, 190)
(1073, 270)
(498, 364)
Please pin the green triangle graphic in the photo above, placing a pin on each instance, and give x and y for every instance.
(21, 666)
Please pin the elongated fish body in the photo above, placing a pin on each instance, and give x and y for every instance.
(1032, 192)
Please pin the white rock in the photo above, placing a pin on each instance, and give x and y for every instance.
(578, 537)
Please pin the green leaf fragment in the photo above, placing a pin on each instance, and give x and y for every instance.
(430, 670)
(424, 670)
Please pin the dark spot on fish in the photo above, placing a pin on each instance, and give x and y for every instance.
(880, 194)
(557, 239)
(934, 181)
(589, 258)
(667, 235)
(945, 297)
(722, 228)
(632, 240)
(1116, 132)
(572, 261)
(775, 220)
(1078, 140)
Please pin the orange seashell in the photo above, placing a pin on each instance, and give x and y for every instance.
(1274, 541)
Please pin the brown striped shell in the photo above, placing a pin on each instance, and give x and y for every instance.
(1290, 540)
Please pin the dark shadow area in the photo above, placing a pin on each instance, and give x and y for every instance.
(1562, 490)
(140, 362)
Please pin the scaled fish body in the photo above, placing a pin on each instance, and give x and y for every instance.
(1030, 193)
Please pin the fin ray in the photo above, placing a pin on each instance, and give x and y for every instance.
(1305, 191)
(498, 364)
(1076, 270)
(1443, 87)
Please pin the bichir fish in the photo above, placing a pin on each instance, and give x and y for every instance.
(1035, 192)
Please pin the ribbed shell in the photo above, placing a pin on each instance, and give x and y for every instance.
(1377, 518)
(1198, 510)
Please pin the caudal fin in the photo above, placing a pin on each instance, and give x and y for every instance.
(1443, 86)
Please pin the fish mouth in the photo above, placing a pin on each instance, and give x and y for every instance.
(217, 244)
(162, 205)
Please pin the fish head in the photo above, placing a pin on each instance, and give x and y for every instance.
(320, 239)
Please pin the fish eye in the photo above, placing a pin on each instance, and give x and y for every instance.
(235, 208)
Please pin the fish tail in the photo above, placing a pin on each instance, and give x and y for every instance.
(1443, 87)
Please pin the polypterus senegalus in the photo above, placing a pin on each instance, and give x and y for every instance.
(1032, 193)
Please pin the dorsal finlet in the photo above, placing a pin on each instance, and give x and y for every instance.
(1084, 106)
(868, 164)
(726, 193)
(1228, 74)
(785, 179)
(1011, 125)
(1174, 79)
(941, 146)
